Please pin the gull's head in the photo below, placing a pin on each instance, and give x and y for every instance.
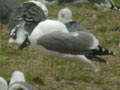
(17, 76)
(41, 5)
(3, 84)
(18, 34)
(65, 15)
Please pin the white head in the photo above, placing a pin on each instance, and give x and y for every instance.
(17, 76)
(41, 5)
(65, 15)
(3, 84)
(18, 33)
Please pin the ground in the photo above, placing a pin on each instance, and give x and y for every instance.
(69, 75)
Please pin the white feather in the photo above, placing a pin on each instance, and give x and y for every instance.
(65, 15)
(3, 84)
(95, 43)
(20, 34)
(17, 76)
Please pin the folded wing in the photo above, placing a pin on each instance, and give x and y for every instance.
(68, 43)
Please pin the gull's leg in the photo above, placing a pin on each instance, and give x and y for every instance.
(87, 61)
(52, 69)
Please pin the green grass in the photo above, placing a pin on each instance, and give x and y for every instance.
(68, 75)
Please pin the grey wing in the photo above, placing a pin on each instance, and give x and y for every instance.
(28, 13)
(75, 26)
(33, 16)
(69, 43)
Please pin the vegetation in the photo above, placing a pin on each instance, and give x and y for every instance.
(24, 0)
(68, 74)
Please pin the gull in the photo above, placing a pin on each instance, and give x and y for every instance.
(17, 82)
(65, 16)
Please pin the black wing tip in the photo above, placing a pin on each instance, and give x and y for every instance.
(108, 52)
(104, 51)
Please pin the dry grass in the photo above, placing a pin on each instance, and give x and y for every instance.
(69, 75)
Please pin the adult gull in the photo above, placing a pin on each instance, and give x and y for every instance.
(52, 39)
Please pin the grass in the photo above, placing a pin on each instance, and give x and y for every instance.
(68, 75)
